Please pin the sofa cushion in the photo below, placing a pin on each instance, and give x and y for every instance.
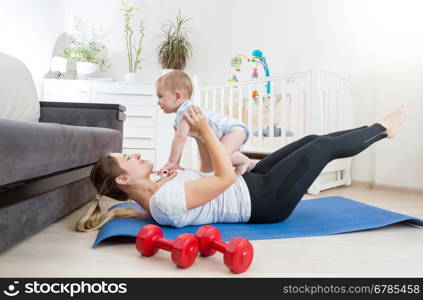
(18, 95)
(29, 150)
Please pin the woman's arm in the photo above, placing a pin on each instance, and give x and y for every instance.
(199, 192)
(206, 164)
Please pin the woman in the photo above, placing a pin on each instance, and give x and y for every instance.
(268, 193)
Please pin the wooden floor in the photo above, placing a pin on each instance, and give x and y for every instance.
(393, 251)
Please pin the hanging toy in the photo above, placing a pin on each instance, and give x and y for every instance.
(236, 63)
(259, 60)
(255, 73)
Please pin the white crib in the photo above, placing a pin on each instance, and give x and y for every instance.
(313, 102)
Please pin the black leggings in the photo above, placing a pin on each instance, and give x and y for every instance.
(279, 181)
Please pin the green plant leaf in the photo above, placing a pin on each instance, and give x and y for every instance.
(175, 47)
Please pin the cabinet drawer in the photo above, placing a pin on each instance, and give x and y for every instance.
(146, 154)
(141, 116)
(123, 93)
(66, 90)
(139, 137)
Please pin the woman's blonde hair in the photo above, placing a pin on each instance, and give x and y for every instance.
(103, 175)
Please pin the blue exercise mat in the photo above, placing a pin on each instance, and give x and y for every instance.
(315, 217)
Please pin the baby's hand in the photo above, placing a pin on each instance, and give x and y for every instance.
(177, 167)
(169, 168)
(165, 179)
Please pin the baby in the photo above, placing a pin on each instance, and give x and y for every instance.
(174, 91)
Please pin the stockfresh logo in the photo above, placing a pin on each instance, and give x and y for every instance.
(11, 290)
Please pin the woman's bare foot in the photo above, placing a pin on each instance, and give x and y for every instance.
(393, 120)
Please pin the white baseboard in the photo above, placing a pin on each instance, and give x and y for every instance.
(397, 188)
(387, 187)
(362, 183)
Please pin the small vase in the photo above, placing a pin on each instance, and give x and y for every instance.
(131, 77)
(86, 70)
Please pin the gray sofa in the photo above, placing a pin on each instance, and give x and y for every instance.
(45, 165)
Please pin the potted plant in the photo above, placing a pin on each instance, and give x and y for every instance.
(87, 49)
(175, 48)
(133, 45)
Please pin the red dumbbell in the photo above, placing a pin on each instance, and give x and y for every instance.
(184, 250)
(237, 254)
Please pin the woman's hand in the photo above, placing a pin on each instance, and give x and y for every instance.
(196, 119)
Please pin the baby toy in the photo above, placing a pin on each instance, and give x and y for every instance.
(258, 59)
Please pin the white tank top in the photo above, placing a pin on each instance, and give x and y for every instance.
(168, 204)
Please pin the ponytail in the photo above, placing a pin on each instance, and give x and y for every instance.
(94, 219)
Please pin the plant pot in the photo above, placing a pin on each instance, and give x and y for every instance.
(85, 70)
(131, 77)
(165, 71)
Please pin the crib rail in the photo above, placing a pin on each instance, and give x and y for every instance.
(295, 104)
(332, 99)
(312, 102)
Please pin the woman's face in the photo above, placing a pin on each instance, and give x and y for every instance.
(134, 165)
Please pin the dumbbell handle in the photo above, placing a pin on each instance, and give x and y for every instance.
(219, 245)
(164, 244)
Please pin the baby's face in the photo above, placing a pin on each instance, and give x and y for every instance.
(167, 99)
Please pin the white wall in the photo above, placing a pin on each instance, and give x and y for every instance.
(28, 32)
(208, 23)
(400, 73)
(396, 40)
(400, 161)
(107, 15)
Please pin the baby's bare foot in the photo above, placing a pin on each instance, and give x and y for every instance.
(393, 120)
(241, 168)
